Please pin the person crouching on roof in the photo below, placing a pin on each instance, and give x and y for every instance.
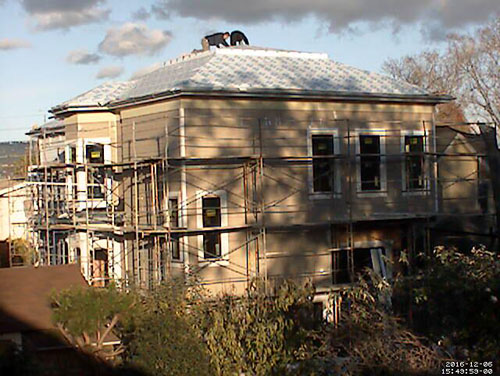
(214, 40)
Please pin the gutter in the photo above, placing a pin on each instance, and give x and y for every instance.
(285, 94)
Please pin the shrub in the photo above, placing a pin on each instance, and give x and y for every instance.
(257, 334)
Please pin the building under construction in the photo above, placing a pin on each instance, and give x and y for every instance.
(243, 162)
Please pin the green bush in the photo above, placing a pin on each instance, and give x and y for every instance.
(455, 299)
(160, 337)
(256, 334)
(88, 317)
(371, 339)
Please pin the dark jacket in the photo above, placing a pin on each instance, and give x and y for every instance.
(238, 37)
(216, 40)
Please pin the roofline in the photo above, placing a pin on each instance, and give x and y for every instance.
(261, 93)
(57, 110)
(285, 94)
(48, 131)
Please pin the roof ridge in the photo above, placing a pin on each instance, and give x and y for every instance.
(269, 52)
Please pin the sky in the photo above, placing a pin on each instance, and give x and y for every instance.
(53, 50)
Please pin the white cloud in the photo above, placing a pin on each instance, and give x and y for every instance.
(82, 57)
(134, 39)
(111, 71)
(340, 15)
(64, 14)
(66, 20)
(143, 71)
(13, 44)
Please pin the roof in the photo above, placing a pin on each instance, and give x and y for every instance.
(25, 294)
(100, 95)
(50, 126)
(250, 70)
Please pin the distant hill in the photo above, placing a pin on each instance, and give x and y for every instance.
(10, 153)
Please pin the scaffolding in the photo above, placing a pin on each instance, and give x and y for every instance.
(135, 231)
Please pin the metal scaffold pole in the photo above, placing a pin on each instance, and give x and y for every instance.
(136, 209)
(46, 199)
(262, 207)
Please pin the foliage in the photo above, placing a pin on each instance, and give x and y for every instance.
(177, 329)
(160, 337)
(22, 248)
(467, 69)
(257, 334)
(373, 340)
(456, 301)
(87, 317)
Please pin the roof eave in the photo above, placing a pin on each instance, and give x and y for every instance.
(288, 94)
(38, 131)
(65, 110)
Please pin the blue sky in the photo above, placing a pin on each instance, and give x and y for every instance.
(38, 71)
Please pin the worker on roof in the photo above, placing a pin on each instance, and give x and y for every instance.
(238, 38)
(214, 40)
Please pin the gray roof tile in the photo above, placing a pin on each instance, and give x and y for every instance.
(252, 69)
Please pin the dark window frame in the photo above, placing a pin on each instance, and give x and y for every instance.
(96, 179)
(323, 169)
(347, 264)
(212, 217)
(414, 162)
(483, 185)
(174, 248)
(370, 162)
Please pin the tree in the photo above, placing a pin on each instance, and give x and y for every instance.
(22, 252)
(161, 338)
(372, 338)
(257, 334)
(469, 70)
(456, 301)
(88, 317)
(156, 334)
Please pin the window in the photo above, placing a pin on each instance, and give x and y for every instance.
(346, 265)
(100, 268)
(483, 187)
(96, 174)
(162, 270)
(362, 259)
(72, 154)
(323, 172)
(173, 207)
(370, 162)
(323, 168)
(340, 270)
(414, 162)
(211, 213)
(78, 255)
(61, 156)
